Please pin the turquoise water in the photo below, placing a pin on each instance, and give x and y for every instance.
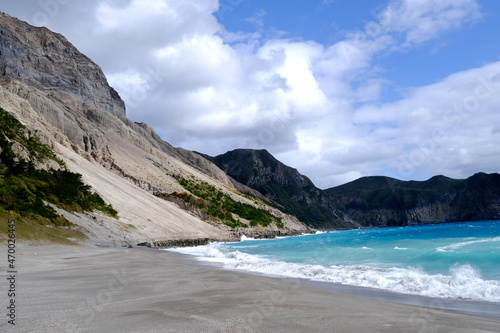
(458, 260)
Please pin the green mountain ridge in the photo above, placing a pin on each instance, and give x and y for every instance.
(373, 201)
(439, 199)
(294, 193)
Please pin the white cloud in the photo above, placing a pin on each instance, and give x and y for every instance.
(112, 17)
(421, 20)
(316, 107)
(442, 126)
(258, 19)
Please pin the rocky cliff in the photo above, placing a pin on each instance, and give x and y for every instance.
(64, 98)
(384, 201)
(284, 186)
(48, 62)
(369, 201)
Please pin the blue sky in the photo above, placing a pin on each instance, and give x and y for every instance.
(323, 21)
(328, 22)
(338, 89)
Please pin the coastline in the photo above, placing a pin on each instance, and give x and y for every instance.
(474, 308)
(482, 309)
(88, 289)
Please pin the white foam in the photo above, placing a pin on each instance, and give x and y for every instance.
(400, 248)
(462, 282)
(455, 246)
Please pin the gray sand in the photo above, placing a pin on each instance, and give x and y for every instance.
(69, 289)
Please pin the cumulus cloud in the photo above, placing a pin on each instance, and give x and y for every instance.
(417, 21)
(441, 126)
(316, 107)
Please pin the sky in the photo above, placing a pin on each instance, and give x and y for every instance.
(338, 89)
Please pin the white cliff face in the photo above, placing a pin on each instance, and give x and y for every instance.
(64, 98)
(72, 94)
(48, 62)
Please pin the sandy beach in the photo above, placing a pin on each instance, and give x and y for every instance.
(82, 289)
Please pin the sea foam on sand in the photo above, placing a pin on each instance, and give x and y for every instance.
(462, 282)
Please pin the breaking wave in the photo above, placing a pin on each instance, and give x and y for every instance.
(455, 246)
(462, 282)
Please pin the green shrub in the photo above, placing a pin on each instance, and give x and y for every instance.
(23, 189)
(220, 206)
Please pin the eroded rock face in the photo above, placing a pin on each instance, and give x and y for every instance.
(47, 61)
(72, 94)
(284, 185)
(383, 201)
(63, 98)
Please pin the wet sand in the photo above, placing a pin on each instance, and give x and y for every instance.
(70, 289)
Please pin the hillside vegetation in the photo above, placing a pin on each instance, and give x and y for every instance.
(292, 192)
(221, 207)
(369, 201)
(26, 187)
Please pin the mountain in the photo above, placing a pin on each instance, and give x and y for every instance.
(48, 62)
(64, 99)
(384, 201)
(369, 201)
(282, 185)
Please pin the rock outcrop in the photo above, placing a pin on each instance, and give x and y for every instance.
(72, 94)
(48, 62)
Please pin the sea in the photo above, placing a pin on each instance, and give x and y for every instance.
(458, 261)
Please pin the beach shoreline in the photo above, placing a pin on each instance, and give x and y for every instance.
(89, 289)
(483, 309)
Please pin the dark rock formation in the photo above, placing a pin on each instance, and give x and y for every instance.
(383, 201)
(285, 186)
(368, 201)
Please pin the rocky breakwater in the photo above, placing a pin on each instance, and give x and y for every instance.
(176, 242)
(269, 234)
